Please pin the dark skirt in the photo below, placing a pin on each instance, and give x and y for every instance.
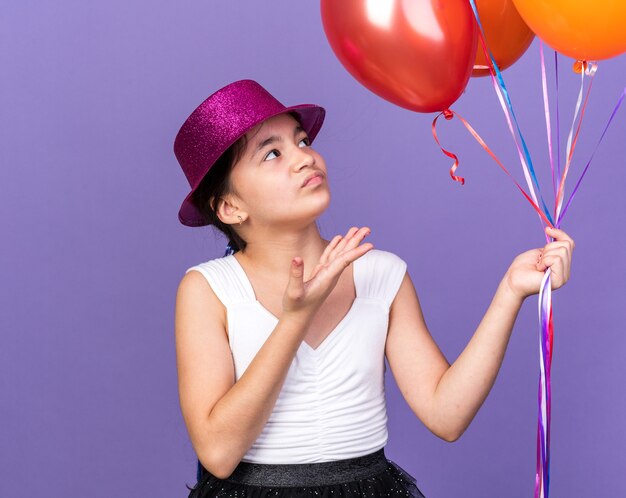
(371, 475)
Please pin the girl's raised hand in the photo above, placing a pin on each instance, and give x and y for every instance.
(525, 274)
(306, 297)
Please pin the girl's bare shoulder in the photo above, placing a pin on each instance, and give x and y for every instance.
(196, 300)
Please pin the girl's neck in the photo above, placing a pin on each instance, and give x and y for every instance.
(271, 254)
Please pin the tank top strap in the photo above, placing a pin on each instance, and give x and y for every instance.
(383, 272)
(224, 277)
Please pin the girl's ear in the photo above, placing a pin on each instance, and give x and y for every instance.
(227, 210)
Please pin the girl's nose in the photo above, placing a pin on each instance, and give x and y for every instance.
(303, 157)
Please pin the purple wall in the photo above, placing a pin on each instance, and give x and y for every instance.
(92, 95)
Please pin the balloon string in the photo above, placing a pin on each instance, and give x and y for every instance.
(558, 121)
(617, 106)
(521, 155)
(519, 151)
(546, 339)
(572, 138)
(546, 106)
(499, 84)
(538, 471)
(448, 114)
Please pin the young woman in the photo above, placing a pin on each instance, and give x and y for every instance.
(281, 343)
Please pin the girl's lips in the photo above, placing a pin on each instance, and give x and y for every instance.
(315, 180)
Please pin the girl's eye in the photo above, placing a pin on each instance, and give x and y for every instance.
(274, 153)
(269, 154)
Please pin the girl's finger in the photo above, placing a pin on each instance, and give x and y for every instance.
(315, 271)
(561, 251)
(329, 248)
(557, 244)
(558, 234)
(346, 243)
(295, 283)
(357, 238)
(338, 245)
(544, 261)
(351, 233)
(342, 243)
(565, 261)
(562, 255)
(555, 263)
(559, 247)
(556, 277)
(342, 262)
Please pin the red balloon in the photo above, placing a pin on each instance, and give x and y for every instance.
(417, 54)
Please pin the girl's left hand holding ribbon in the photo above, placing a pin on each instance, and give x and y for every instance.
(526, 272)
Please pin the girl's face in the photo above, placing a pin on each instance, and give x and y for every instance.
(270, 173)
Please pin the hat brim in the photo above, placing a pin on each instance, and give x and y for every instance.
(311, 117)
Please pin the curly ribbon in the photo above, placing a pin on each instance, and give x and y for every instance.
(507, 107)
(449, 114)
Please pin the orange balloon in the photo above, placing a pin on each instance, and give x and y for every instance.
(417, 54)
(506, 33)
(583, 29)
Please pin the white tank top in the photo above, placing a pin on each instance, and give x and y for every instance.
(332, 403)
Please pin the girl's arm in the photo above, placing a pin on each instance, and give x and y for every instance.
(446, 397)
(224, 417)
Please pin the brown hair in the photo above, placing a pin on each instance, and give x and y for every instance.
(217, 184)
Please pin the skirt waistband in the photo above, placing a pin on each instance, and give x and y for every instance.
(310, 474)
